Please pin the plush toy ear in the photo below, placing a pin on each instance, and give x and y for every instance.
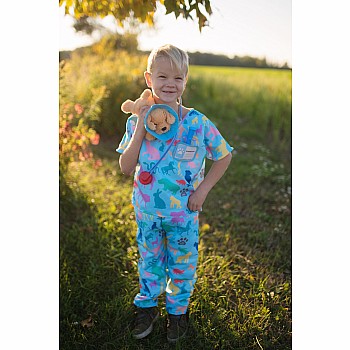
(146, 94)
(151, 125)
(170, 118)
(127, 106)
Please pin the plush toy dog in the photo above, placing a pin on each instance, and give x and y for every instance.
(158, 120)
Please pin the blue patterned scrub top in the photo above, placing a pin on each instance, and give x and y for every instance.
(173, 179)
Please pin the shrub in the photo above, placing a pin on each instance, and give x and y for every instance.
(122, 75)
(75, 132)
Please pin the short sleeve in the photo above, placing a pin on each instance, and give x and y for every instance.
(129, 130)
(216, 146)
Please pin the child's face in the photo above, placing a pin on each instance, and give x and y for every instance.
(166, 81)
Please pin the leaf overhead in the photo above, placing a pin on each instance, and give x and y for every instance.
(141, 10)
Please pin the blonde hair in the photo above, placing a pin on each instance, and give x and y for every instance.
(176, 56)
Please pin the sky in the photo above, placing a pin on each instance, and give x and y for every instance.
(258, 28)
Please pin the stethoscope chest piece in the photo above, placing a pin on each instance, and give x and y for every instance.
(145, 177)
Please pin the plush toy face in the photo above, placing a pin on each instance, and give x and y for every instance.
(160, 120)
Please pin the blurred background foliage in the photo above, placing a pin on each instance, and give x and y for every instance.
(111, 64)
(101, 76)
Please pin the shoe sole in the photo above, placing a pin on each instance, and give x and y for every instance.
(147, 331)
(175, 340)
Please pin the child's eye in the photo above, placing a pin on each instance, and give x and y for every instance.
(162, 76)
(179, 78)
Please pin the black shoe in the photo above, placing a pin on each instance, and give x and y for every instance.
(145, 318)
(177, 327)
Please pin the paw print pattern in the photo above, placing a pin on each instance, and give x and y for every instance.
(184, 192)
(182, 241)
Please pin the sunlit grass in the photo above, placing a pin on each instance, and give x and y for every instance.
(254, 104)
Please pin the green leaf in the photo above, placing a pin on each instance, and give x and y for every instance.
(170, 6)
(208, 7)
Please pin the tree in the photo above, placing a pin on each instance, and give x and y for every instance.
(141, 10)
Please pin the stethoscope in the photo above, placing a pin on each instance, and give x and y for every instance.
(146, 177)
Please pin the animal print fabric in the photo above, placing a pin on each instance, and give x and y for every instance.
(168, 248)
(174, 180)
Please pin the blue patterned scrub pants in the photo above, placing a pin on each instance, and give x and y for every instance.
(168, 248)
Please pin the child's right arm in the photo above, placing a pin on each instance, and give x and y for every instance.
(128, 159)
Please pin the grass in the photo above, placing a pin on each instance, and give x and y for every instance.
(242, 298)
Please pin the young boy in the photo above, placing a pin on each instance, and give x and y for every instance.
(167, 208)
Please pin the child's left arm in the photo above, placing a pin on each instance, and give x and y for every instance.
(217, 170)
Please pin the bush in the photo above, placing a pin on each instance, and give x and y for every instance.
(122, 75)
(75, 131)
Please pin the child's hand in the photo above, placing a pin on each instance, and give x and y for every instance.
(143, 112)
(140, 129)
(196, 199)
(218, 168)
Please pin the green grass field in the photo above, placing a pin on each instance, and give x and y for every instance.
(242, 298)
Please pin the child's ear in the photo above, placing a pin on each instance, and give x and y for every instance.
(147, 76)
